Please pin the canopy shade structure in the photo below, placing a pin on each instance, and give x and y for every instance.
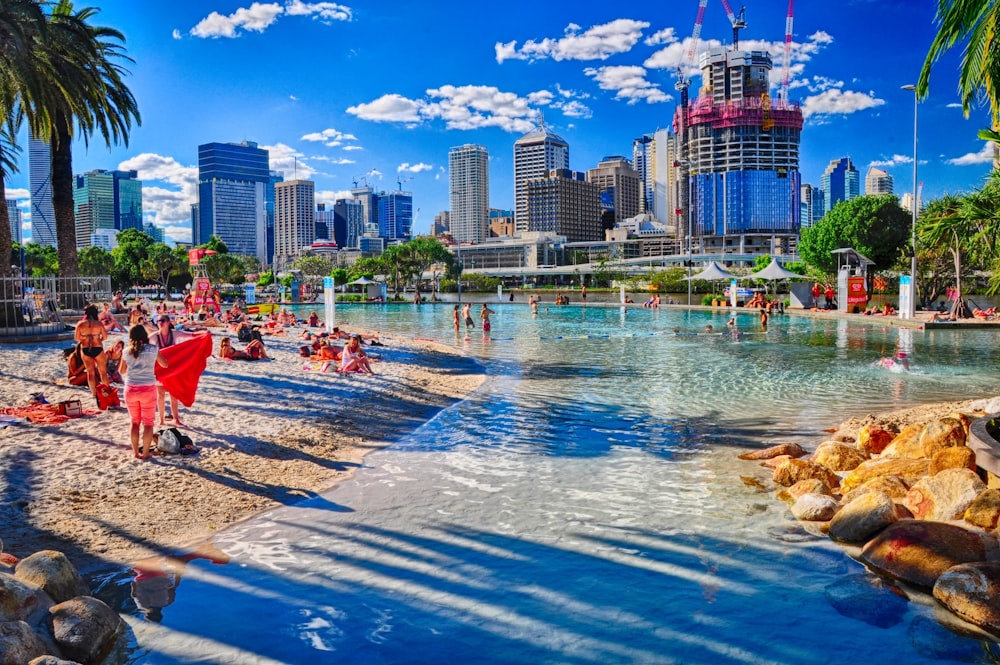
(774, 270)
(363, 281)
(713, 272)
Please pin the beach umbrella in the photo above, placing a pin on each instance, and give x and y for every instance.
(364, 281)
(713, 272)
(774, 270)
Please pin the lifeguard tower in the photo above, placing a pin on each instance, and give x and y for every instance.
(201, 287)
(852, 279)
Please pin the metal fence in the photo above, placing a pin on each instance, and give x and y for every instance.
(37, 306)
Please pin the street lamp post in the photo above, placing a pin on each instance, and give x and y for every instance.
(912, 305)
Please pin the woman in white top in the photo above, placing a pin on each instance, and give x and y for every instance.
(137, 366)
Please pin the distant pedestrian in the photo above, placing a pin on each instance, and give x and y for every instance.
(458, 322)
(467, 315)
(484, 314)
(583, 293)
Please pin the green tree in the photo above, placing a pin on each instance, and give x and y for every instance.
(84, 94)
(430, 255)
(132, 250)
(95, 261)
(340, 276)
(216, 244)
(313, 266)
(367, 266)
(976, 24)
(224, 268)
(41, 260)
(875, 226)
(161, 263)
(400, 264)
(265, 278)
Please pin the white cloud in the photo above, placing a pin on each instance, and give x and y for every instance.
(176, 34)
(17, 193)
(984, 156)
(839, 102)
(665, 36)
(628, 82)
(293, 98)
(413, 168)
(895, 160)
(388, 108)
(574, 109)
(169, 205)
(330, 137)
(598, 42)
(258, 17)
(352, 147)
(329, 197)
(338, 161)
(289, 161)
(953, 105)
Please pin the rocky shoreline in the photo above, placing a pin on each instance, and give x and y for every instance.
(904, 494)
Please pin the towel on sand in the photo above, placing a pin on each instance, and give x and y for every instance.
(186, 362)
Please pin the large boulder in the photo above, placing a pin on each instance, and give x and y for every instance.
(863, 517)
(940, 434)
(792, 471)
(53, 572)
(945, 496)
(984, 511)
(22, 601)
(84, 628)
(872, 439)
(906, 469)
(838, 456)
(51, 660)
(19, 643)
(891, 485)
(906, 443)
(790, 449)
(807, 486)
(918, 551)
(955, 457)
(972, 591)
(815, 508)
(868, 599)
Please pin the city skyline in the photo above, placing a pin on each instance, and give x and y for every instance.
(336, 95)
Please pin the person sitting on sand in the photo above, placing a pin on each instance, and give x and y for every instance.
(109, 321)
(115, 361)
(137, 316)
(325, 351)
(253, 351)
(314, 320)
(353, 358)
(286, 318)
(76, 371)
(206, 318)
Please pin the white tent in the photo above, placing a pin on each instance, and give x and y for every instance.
(364, 281)
(713, 272)
(774, 270)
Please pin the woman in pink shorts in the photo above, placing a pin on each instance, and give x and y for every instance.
(137, 366)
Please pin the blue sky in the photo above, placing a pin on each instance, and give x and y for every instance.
(379, 92)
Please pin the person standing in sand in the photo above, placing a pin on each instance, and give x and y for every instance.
(166, 336)
(90, 334)
(138, 366)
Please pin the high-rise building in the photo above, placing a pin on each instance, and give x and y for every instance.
(643, 156)
(348, 223)
(232, 181)
(567, 204)
(535, 155)
(14, 216)
(878, 181)
(501, 223)
(739, 157)
(325, 222)
(621, 189)
(43, 216)
(664, 176)
(369, 205)
(442, 223)
(274, 177)
(395, 215)
(153, 231)
(469, 191)
(294, 219)
(839, 182)
(106, 239)
(106, 200)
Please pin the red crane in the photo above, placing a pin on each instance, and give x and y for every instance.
(738, 23)
(682, 80)
(787, 65)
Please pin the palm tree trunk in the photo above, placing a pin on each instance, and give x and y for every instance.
(62, 198)
(6, 239)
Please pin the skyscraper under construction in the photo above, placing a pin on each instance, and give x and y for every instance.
(739, 159)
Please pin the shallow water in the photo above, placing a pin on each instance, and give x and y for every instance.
(586, 506)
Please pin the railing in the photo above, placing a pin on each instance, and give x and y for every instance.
(36, 306)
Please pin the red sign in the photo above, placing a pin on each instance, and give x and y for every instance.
(856, 294)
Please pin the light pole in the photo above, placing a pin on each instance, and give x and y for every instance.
(912, 305)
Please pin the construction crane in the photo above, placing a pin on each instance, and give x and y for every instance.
(400, 181)
(363, 178)
(738, 22)
(787, 65)
(683, 82)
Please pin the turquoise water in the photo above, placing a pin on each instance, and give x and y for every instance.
(586, 506)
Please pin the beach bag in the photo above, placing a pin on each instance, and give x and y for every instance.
(244, 334)
(174, 442)
(71, 407)
(107, 397)
(255, 335)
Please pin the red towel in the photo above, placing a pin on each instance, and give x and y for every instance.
(186, 361)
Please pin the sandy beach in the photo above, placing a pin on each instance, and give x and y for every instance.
(268, 433)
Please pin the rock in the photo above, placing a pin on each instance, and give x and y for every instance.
(872, 439)
(918, 551)
(906, 469)
(945, 496)
(867, 598)
(906, 443)
(53, 572)
(955, 457)
(863, 518)
(807, 486)
(22, 601)
(984, 511)
(941, 434)
(790, 449)
(775, 462)
(8, 559)
(972, 591)
(964, 419)
(19, 643)
(84, 628)
(838, 456)
(51, 660)
(815, 508)
(792, 471)
(891, 485)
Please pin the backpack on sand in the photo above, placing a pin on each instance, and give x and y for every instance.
(173, 442)
(107, 397)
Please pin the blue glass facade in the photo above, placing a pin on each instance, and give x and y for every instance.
(395, 215)
(106, 200)
(734, 202)
(233, 179)
(840, 182)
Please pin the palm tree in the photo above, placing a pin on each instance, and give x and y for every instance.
(84, 94)
(942, 224)
(21, 24)
(976, 23)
